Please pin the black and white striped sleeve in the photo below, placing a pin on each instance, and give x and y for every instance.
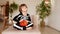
(16, 18)
(29, 22)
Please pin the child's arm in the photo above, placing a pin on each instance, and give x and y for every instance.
(15, 18)
(29, 19)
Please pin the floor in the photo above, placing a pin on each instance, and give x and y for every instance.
(11, 30)
(49, 30)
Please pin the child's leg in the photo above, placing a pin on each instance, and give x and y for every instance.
(17, 27)
(29, 26)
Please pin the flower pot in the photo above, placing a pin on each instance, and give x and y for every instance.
(42, 23)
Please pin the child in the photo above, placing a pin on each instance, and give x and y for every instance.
(23, 16)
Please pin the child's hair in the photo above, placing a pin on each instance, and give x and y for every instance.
(21, 6)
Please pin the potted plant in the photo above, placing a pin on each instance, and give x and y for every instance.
(12, 8)
(43, 10)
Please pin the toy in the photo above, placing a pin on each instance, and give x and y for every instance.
(23, 23)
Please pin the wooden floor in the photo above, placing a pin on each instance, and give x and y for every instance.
(49, 30)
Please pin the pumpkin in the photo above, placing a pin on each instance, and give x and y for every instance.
(23, 23)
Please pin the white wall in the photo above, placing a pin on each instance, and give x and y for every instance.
(54, 18)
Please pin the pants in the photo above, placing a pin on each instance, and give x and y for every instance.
(18, 27)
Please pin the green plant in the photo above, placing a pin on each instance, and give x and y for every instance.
(12, 7)
(43, 10)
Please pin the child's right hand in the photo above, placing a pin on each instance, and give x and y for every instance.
(21, 20)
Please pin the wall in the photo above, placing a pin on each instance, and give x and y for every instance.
(54, 18)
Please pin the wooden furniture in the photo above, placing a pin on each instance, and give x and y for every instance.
(4, 16)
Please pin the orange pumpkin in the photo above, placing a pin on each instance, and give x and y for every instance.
(23, 23)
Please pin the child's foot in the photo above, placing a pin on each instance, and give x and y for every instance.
(30, 28)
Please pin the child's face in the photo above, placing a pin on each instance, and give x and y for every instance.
(24, 8)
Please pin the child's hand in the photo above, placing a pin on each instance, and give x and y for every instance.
(22, 20)
(26, 20)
